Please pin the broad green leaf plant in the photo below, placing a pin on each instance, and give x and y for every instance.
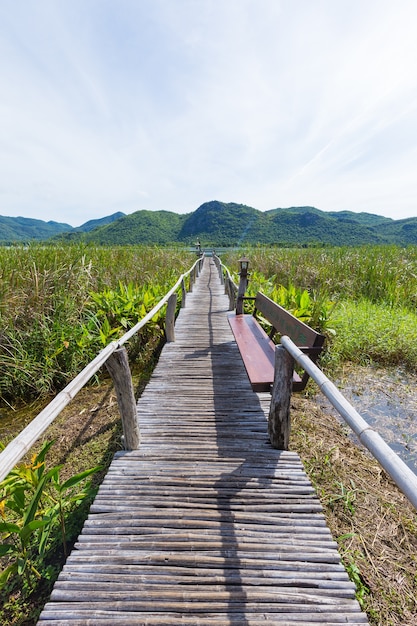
(33, 505)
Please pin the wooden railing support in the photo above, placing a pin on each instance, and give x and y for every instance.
(192, 279)
(243, 285)
(279, 421)
(118, 367)
(170, 318)
(183, 294)
(219, 268)
(230, 290)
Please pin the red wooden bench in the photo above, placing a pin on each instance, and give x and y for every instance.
(257, 348)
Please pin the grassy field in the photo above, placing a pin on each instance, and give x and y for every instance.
(365, 298)
(60, 305)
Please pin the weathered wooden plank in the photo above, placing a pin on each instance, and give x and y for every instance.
(192, 518)
(174, 575)
(191, 527)
(76, 615)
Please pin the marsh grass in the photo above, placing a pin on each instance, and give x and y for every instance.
(373, 333)
(371, 294)
(52, 321)
(385, 274)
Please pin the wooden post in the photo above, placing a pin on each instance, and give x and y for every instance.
(184, 293)
(192, 279)
(243, 284)
(241, 292)
(221, 275)
(219, 267)
(118, 367)
(230, 293)
(170, 318)
(279, 422)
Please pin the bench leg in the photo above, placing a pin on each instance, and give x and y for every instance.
(279, 413)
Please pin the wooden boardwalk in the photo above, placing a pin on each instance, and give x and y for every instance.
(206, 524)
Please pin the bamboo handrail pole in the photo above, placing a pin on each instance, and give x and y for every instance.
(401, 474)
(229, 275)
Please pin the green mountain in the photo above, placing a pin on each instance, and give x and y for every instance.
(230, 224)
(366, 219)
(309, 225)
(218, 224)
(400, 231)
(92, 224)
(142, 227)
(23, 229)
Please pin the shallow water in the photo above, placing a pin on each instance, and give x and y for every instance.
(13, 421)
(387, 401)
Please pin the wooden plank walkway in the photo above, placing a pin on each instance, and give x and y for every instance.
(206, 524)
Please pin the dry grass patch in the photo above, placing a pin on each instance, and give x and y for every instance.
(373, 522)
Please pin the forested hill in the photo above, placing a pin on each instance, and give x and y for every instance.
(224, 224)
(24, 229)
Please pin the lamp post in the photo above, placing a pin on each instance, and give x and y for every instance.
(243, 283)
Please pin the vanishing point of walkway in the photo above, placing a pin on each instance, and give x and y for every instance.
(206, 524)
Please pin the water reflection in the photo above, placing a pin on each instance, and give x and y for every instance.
(387, 400)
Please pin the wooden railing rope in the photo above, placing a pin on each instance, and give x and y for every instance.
(21, 444)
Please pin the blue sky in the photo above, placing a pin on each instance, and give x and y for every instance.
(122, 105)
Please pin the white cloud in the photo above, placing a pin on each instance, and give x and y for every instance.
(165, 104)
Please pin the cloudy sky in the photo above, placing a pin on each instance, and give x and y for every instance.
(121, 105)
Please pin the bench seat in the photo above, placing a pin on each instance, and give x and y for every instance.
(257, 351)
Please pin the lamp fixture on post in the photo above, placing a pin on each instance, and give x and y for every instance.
(243, 273)
(243, 266)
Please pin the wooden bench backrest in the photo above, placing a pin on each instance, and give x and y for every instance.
(286, 324)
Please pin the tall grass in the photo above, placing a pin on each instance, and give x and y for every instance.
(372, 333)
(373, 288)
(50, 324)
(378, 273)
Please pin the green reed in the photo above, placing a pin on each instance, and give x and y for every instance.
(385, 274)
(373, 290)
(50, 323)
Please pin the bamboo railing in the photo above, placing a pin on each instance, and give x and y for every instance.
(400, 473)
(21, 444)
(230, 287)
